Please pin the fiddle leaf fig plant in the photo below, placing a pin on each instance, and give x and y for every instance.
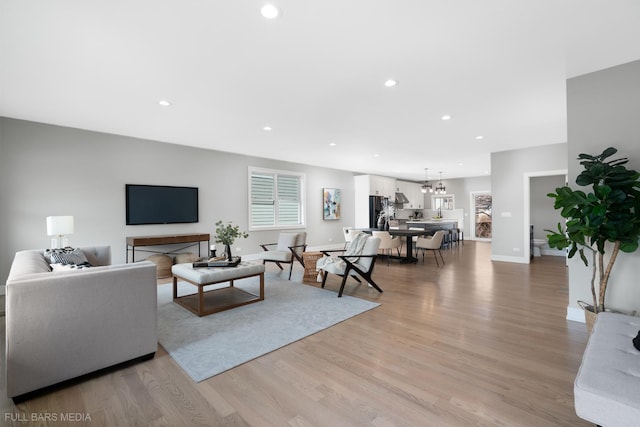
(606, 217)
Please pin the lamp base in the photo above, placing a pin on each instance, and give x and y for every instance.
(59, 242)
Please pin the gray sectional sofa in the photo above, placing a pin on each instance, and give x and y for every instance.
(64, 324)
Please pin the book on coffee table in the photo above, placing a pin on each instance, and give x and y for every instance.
(218, 263)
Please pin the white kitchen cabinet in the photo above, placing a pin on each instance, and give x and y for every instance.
(418, 196)
(370, 185)
(381, 186)
(413, 192)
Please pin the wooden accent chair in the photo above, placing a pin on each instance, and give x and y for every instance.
(354, 265)
(287, 250)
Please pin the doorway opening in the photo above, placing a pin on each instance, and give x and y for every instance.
(527, 206)
(481, 205)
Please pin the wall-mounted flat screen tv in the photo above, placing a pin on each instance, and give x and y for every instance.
(161, 204)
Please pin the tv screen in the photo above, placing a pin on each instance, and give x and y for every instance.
(161, 204)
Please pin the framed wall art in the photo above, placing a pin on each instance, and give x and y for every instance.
(331, 203)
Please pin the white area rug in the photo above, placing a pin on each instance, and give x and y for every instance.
(206, 346)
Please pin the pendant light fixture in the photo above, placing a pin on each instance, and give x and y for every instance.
(426, 186)
(441, 189)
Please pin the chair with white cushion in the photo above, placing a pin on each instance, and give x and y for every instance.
(353, 265)
(347, 236)
(414, 239)
(388, 243)
(287, 250)
(431, 243)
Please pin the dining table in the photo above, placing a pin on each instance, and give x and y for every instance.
(408, 235)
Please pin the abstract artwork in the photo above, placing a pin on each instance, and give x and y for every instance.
(331, 203)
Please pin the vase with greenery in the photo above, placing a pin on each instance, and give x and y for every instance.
(602, 220)
(387, 213)
(227, 233)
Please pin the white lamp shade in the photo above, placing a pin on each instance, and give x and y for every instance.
(59, 225)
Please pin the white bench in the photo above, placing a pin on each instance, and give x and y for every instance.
(607, 387)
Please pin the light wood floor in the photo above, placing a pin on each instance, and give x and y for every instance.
(472, 343)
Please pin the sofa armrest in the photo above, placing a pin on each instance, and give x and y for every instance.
(63, 325)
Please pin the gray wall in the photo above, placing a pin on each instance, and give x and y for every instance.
(543, 215)
(603, 110)
(508, 172)
(461, 188)
(50, 170)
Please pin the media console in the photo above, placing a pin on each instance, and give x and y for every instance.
(170, 239)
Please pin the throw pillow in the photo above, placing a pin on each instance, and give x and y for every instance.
(67, 267)
(636, 341)
(66, 256)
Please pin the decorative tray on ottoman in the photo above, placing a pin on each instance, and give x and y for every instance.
(218, 263)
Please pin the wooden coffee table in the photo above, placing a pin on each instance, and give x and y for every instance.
(204, 302)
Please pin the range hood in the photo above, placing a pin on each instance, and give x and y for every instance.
(401, 198)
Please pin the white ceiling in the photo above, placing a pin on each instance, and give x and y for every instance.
(315, 74)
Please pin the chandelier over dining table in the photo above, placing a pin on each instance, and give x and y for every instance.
(440, 188)
(426, 186)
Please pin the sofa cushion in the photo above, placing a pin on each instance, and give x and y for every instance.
(607, 387)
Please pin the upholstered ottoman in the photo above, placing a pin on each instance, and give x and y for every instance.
(607, 388)
(219, 299)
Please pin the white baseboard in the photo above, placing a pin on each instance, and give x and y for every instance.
(505, 258)
(575, 314)
(325, 247)
(251, 257)
(256, 256)
(553, 252)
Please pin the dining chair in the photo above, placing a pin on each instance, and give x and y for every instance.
(432, 243)
(415, 238)
(388, 243)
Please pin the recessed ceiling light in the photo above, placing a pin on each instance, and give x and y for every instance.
(460, 164)
(376, 155)
(267, 128)
(269, 11)
(332, 144)
(446, 117)
(390, 83)
(479, 137)
(164, 103)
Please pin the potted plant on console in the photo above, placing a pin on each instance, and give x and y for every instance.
(605, 219)
(227, 233)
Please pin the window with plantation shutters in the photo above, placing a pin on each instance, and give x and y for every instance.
(276, 199)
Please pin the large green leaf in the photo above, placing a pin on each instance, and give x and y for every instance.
(610, 151)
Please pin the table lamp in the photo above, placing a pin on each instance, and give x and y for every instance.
(59, 226)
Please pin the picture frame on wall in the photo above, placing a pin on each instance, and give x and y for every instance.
(331, 203)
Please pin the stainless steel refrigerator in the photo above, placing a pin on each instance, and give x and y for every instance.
(375, 207)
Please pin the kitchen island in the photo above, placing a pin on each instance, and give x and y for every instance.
(451, 226)
(436, 224)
